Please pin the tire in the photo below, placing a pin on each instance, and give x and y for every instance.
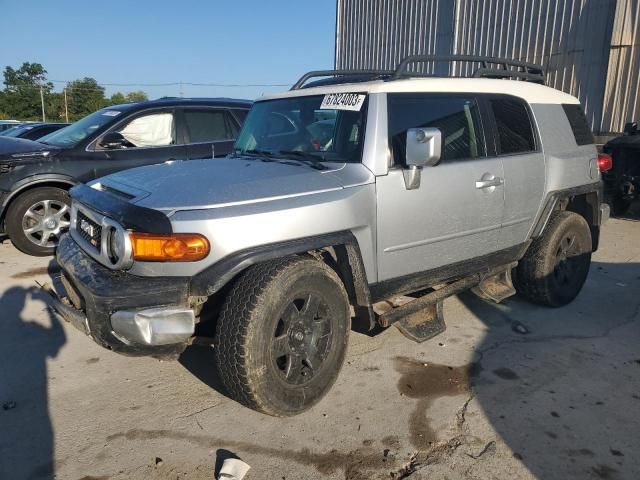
(282, 335)
(556, 264)
(36, 219)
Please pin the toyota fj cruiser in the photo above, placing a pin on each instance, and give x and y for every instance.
(340, 193)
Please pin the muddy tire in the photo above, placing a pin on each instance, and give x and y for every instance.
(556, 264)
(282, 334)
(36, 219)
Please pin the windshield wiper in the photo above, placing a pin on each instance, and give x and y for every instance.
(305, 157)
(264, 153)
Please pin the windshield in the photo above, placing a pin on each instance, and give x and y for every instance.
(70, 136)
(320, 127)
(13, 131)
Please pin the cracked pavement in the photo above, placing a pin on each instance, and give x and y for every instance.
(479, 401)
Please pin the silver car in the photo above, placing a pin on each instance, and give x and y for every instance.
(340, 193)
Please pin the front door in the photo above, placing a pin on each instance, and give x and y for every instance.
(211, 132)
(456, 212)
(150, 137)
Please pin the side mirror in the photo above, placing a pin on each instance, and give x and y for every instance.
(423, 149)
(113, 140)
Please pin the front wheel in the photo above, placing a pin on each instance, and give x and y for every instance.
(556, 264)
(36, 219)
(282, 335)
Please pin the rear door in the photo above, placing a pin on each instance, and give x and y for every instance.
(456, 212)
(209, 132)
(517, 144)
(151, 138)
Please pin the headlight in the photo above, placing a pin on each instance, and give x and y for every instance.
(116, 245)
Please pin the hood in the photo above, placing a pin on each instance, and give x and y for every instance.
(199, 184)
(19, 148)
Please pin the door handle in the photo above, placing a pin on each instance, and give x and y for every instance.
(489, 182)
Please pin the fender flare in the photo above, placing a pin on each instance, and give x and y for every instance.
(554, 198)
(349, 265)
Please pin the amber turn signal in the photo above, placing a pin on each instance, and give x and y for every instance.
(175, 247)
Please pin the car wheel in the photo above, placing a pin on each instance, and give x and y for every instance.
(282, 335)
(36, 219)
(556, 264)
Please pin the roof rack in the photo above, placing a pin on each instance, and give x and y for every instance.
(491, 67)
(525, 71)
(361, 74)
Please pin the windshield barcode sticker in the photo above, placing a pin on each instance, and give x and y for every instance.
(342, 101)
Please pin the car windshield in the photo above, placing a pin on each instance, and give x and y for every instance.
(13, 131)
(70, 136)
(318, 128)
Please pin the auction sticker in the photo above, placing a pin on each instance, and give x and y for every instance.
(111, 113)
(343, 101)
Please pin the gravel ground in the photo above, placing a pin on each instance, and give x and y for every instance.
(482, 400)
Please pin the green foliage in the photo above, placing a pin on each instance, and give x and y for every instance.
(21, 95)
(20, 98)
(84, 97)
(118, 97)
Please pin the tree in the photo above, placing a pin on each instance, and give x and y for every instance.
(136, 96)
(84, 96)
(21, 95)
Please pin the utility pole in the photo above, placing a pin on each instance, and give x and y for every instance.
(66, 109)
(44, 119)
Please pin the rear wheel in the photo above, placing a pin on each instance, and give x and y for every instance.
(556, 264)
(282, 335)
(37, 218)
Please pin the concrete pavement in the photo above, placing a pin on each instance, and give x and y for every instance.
(481, 400)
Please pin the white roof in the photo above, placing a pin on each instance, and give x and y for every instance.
(531, 92)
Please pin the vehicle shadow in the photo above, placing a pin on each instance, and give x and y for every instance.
(26, 433)
(200, 361)
(559, 386)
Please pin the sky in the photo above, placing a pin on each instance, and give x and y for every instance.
(208, 41)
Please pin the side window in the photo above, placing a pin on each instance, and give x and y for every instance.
(515, 131)
(240, 114)
(209, 126)
(458, 118)
(153, 130)
(579, 124)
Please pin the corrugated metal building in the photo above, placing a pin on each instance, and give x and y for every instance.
(589, 48)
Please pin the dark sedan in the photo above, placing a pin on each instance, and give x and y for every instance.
(35, 176)
(33, 130)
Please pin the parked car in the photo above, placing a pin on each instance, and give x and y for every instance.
(622, 180)
(33, 130)
(423, 187)
(34, 203)
(7, 124)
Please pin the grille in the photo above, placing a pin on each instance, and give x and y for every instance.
(89, 230)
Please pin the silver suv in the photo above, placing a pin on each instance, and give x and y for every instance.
(341, 193)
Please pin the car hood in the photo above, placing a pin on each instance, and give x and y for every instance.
(214, 183)
(19, 148)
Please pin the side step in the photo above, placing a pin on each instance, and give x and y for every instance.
(422, 318)
(497, 287)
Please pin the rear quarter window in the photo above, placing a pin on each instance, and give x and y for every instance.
(579, 124)
(513, 122)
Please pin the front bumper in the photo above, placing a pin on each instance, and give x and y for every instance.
(128, 314)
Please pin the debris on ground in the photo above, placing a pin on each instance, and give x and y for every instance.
(520, 328)
(9, 405)
(233, 469)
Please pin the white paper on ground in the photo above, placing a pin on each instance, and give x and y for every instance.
(233, 469)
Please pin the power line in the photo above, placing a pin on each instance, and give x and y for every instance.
(193, 84)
